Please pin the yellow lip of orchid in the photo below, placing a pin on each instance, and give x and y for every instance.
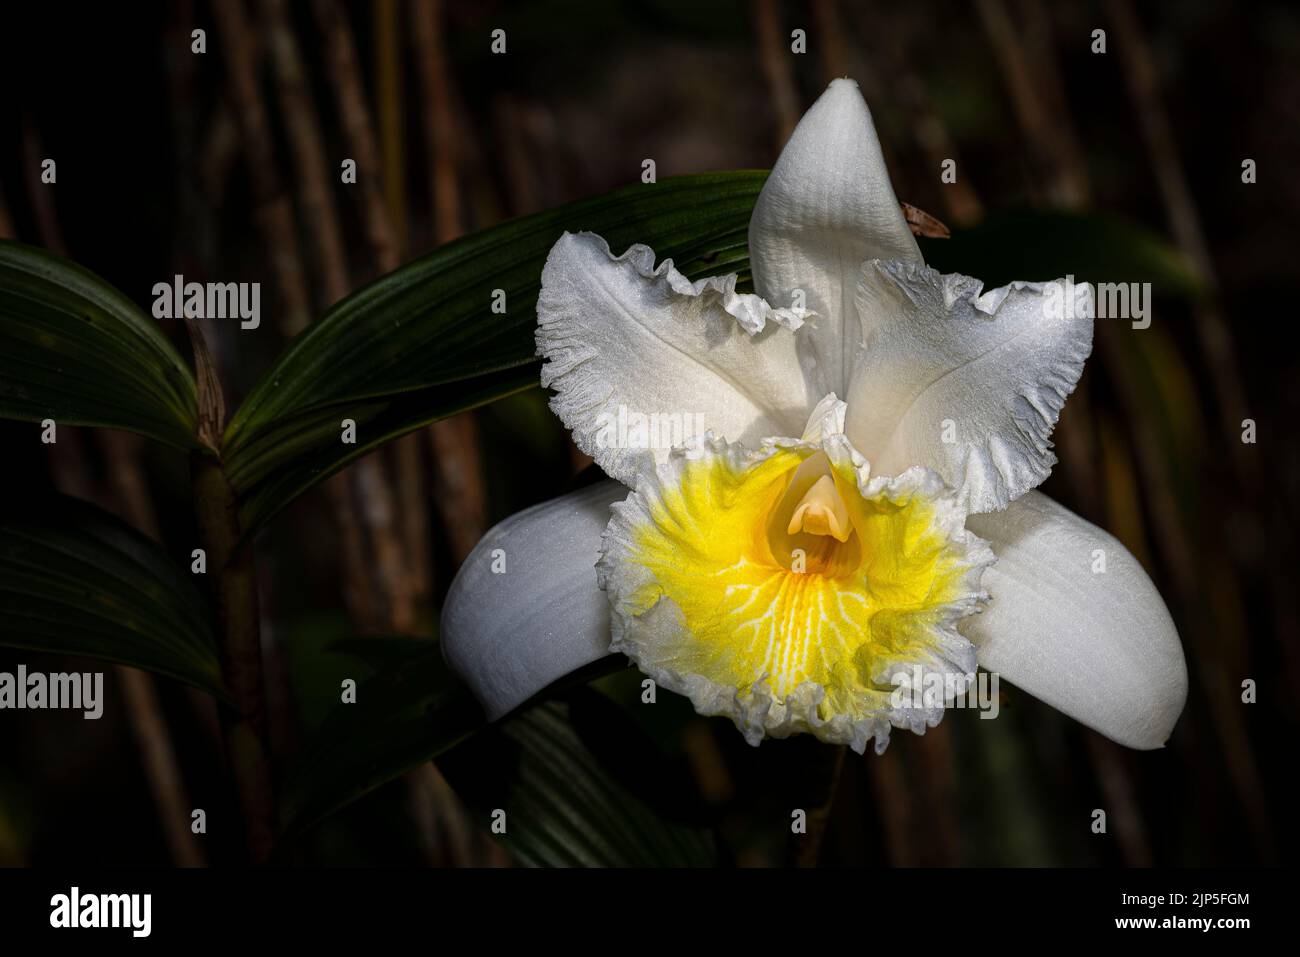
(785, 587)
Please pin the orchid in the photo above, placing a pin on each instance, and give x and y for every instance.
(862, 505)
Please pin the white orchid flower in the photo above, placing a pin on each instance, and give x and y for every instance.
(784, 569)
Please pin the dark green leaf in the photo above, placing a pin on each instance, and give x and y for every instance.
(76, 350)
(410, 712)
(421, 342)
(1044, 245)
(76, 580)
(304, 449)
(563, 806)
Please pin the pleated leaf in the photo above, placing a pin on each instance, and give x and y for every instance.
(1044, 245)
(76, 350)
(564, 807)
(424, 342)
(76, 580)
(411, 710)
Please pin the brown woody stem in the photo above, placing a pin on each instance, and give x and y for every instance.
(239, 642)
(239, 639)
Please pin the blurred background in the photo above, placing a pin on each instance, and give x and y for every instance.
(224, 166)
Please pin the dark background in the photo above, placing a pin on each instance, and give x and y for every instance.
(153, 178)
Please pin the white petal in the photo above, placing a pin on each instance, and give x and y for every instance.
(827, 208)
(642, 359)
(966, 384)
(511, 634)
(1099, 646)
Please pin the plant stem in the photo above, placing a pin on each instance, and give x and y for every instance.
(239, 640)
(240, 650)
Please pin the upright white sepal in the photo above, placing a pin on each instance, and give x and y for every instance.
(827, 208)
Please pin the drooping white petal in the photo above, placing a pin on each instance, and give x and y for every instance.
(642, 359)
(965, 383)
(1074, 620)
(827, 208)
(525, 609)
